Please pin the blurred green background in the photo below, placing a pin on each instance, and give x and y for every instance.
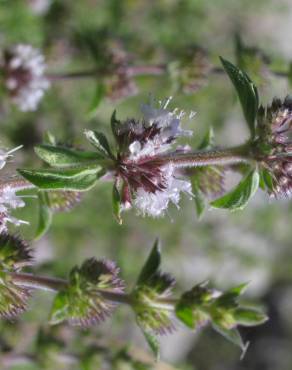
(253, 245)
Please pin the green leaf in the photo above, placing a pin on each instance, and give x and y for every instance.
(49, 138)
(99, 141)
(185, 314)
(153, 343)
(45, 215)
(59, 310)
(116, 199)
(152, 264)
(249, 316)
(74, 179)
(229, 298)
(98, 96)
(266, 180)
(247, 93)
(114, 124)
(232, 335)
(208, 140)
(238, 198)
(58, 156)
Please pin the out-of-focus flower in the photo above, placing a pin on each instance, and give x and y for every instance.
(191, 71)
(145, 181)
(274, 146)
(39, 7)
(119, 82)
(23, 71)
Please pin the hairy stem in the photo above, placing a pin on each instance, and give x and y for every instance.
(221, 157)
(38, 282)
(55, 285)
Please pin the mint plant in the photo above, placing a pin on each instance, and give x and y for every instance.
(148, 170)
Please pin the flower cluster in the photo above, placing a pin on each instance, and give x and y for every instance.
(275, 145)
(23, 71)
(82, 302)
(190, 73)
(14, 255)
(8, 197)
(146, 182)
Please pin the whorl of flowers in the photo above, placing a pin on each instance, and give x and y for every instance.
(85, 304)
(23, 71)
(14, 255)
(146, 182)
(275, 145)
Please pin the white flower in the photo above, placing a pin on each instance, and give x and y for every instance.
(9, 200)
(4, 156)
(24, 69)
(155, 204)
(149, 183)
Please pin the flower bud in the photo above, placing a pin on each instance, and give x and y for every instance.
(14, 252)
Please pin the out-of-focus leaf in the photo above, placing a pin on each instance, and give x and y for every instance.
(249, 316)
(98, 96)
(116, 199)
(199, 197)
(232, 335)
(153, 343)
(45, 215)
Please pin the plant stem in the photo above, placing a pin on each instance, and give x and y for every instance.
(133, 71)
(154, 70)
(38, 282)
(55, 285)
(221, 157)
